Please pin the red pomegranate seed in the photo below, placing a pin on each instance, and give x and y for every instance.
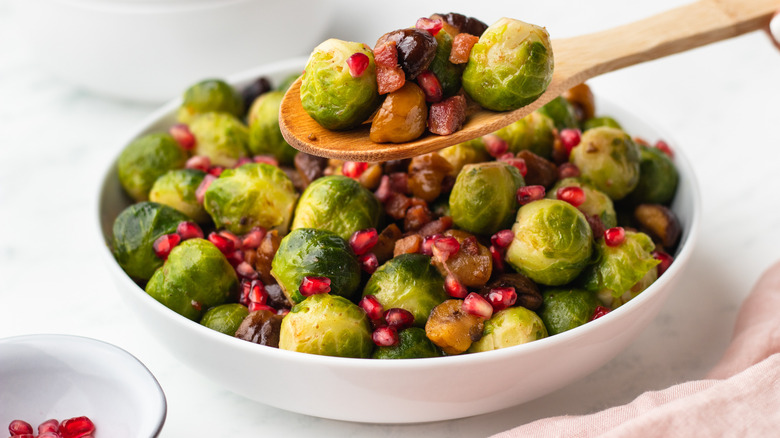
(432, 26)
(196, 305)
(519, 163)
(503, 238)
(427, 244)
(199, 162)
(502, 297)
(189, 230)
(384, 191)
(399, 318)
(431, 86)
(568, 170)
(573, 195)
(24, 435)
(615, 236)
(357, 63)
(237, 242)
(19, 427)
(454, 287)
(254, 238)
(498, 258)
(49, 426)
(235, 258)
(527, 194)
(385, 336)
(314, 285)
(257, 292)
(506, 156)
(371, 306)
(445, 247)
(475, 304)
(266, 159)
(254, 307)
(369, 262)
(666, 261)
(353, 169)
(242, 161)
(664, 147)
(181, 133)
(363, 240)
(495, 145)
(283, 311)
(76, 427)
(245, 270)
(164, 244)
(246, 287)
(599, 312)
(216, 170)
(224, 244)
(200, 192)
(49, 435)
(570, 138)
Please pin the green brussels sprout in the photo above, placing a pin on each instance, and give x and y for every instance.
(287, 82)
(448, 74)
(561, 112)
(225, 318)
(553, 242)
(265, 136)
(657, 178)
(609, 300)
(146, 159)
(211, 95)
(596, 122)
(177, 188)
(196, 276)
(608, 159)
(221, 137)
(327, 325)
(135, 230)
(339, 204)
(253, 195)
(510, 66)
(330, 94)
(534, 132)
(412, 344)
(410, 282)
(596, 202)
(484, 197)
(319, 253)
(461, 154)
(564, 309)
(618, 269)
(510, 327)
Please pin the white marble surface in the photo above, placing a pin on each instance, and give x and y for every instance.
(720, 102)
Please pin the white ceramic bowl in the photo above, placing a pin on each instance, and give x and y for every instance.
(399, 391)
(62, 376)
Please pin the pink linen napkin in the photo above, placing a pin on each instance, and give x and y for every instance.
(740, 397)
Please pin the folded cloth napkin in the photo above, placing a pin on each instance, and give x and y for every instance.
(740, 397)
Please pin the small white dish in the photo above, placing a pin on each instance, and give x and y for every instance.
(63, 376)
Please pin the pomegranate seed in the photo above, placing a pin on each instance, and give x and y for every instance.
(363, 240)
(519, 163)
(573, 195)
(599, 312)
(369, 262)
(427, 244)
(498, 258)
(353, 169)
(196, 305)
(495, 145)
(200, 192)
(666, 261)
(385, 336)
(23, 435)
(431, 26)
(615, 236)
(189, 230)
(266, 159)
(384, 191)
(224, 244)
(49, 435)
(181, 133)
(399, 318)
(502, 297)
(664, 147)
(506, 156)
(283, 311)
(216, 170)
(431, 86)
(19, 427)
(357, 63)
(502, 239)
(164, 244)
(246, 288)
(245, 270)
(242, 161)
(257, 292)
(371, 305)
(475, 304)
(445, 247)
(570, 138)
(527, 194)
(596, 225)
(255, 307)
(314, 285)
(254, 238)
(568, 170)
(76, 427)
(233, 238)
(454, 287)
(49, 426)
(199, 162)
(235, 258)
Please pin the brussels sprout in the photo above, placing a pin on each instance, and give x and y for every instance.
(319, 253)
(408, 282)
(146, 159)
(534, 132)
(211, 95)
(221, 137)
(339, 204)
(196, 276)
(596, 202)
(484, 197)
(609, 159)
(448, 74)
(609, 300)
(510, 327)
(225, 318)
(412, 344)
(561, 112)
(135, 230)
(657, 178)
(287, 82)
(330, 94)
(177, 189)
(328, 325)
(617, 269)
(565, 309)
(265, 136)
(253, 195)
(552, 244)
(461, 154)
(595, 122)
(510, 66)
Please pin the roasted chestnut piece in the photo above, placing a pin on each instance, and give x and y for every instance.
(660, 223)
(528, 294)
(462, 23)
(261, 327)
(416, 49)
(402, 117)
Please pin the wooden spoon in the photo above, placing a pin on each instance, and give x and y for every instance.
(576, 60)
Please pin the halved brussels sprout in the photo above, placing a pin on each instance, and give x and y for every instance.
(609, 159)
(595, 122)
(412, 344)
(146, 159)
(561, 112)
(657, 178)
(317, 253)
(196, 276)
(330, 94)
(177, 188)
(510, 327)
(596, 202)
(225, 318)
(265, 136)
(461, 154)
(552, 244)
(448, 74)
(211, 95)
(484, 197)
(221, 137)
(337, 203)
(510, 66)
(135, 230)
(253, 195)
(327, 325)
(408, 282)
(534, 132)
(565, 309)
